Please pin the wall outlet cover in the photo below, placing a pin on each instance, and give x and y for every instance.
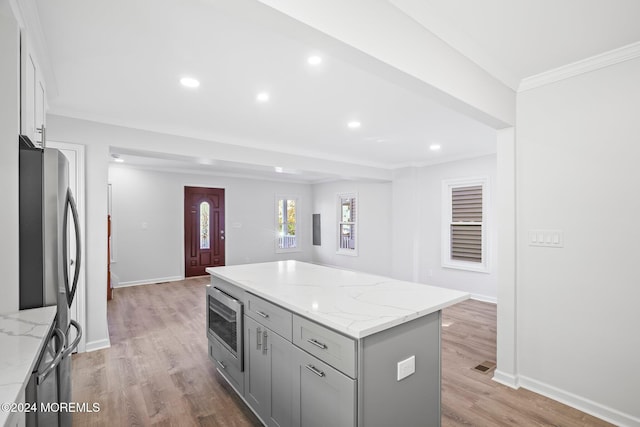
(406, 367)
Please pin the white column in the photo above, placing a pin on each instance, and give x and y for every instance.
(507, 366)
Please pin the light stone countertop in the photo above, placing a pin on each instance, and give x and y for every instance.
(22, 337)
(356, 304)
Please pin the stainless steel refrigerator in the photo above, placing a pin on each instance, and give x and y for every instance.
(48, 273)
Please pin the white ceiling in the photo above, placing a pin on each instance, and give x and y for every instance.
(515, 39)
(120, 61)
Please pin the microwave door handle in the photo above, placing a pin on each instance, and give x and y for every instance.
(71, 205)
(75, 342)
(63, 343)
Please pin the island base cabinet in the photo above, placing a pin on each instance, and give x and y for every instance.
(323, 396)
(226, 366)
(268, 375)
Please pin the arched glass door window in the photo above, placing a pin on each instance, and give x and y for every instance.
(204, 225)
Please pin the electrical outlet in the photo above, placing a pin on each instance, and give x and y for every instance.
(406, 367)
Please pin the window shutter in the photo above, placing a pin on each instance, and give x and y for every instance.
(466, 227)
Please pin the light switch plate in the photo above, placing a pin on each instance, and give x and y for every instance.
(546, 238)
(406, 367)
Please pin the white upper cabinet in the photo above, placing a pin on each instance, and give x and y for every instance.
(33, 100)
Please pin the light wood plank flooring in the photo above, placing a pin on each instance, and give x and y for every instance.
(157, 371)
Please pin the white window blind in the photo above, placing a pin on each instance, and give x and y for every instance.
(465, 202)
(466, 223)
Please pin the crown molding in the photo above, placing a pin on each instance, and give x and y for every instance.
(593, 63)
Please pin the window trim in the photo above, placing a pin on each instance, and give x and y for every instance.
(278, 198)
(339, 223)
(447, 186)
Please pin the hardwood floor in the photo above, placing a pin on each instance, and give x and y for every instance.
(472, 398)
(157, 371)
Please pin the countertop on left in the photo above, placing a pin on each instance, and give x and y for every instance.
(22, 337)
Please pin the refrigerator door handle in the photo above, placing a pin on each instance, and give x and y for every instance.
(63, 343)
(71, 203)
(75, 342)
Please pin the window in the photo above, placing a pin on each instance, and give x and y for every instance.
(204, 225)
(347, 224)
(464, 205)
(286, 224)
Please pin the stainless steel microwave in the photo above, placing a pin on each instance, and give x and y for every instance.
(224, 322)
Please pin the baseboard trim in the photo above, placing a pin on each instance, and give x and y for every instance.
(484, 298)
(585, 405)
(506, 379)
(97, 345)
(148, 281)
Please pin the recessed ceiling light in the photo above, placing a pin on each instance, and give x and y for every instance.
(353, 125)
(434, 147)
(314, 60)
(278, 169)
(189, 82)
(262, 97)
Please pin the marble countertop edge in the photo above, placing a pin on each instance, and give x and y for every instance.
(289, 284)
(22, 338)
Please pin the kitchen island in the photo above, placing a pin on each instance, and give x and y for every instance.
(326, 346)
(22, 336)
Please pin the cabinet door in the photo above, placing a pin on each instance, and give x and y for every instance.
(28, 95)
(257, 376)
(325, 396)
(32, 93)
(40, 116)
(281, 360)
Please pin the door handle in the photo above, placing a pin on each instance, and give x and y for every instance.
(315, 370)
(317, 343)
(264, 343)
(75, 342)
(58, 357)
(258, 338)
(70, 204)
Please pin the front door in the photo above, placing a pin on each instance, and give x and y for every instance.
(203, 229)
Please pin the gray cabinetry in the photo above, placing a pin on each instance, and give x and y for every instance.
(323, 395)
(270, 315)
(301, 373)
(268, 374)
(329, 346)
(257, 389)
(226, 365)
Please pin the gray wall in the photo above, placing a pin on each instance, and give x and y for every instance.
(156, 253)
(417, 226)
(9, 129)
(373, 222)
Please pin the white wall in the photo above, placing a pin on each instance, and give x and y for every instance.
(578, 153)
(9, 130)
(373, 216)
(417, 227)
(157, 199)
